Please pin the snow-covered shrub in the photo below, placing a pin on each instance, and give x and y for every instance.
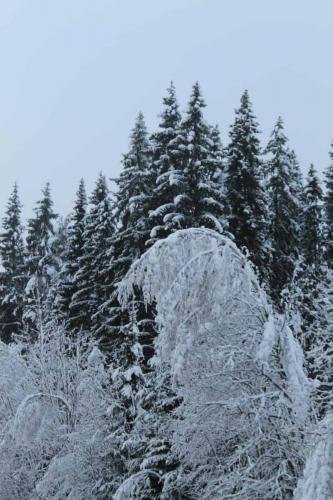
(54, 418)
(237, 369)
(317, 480)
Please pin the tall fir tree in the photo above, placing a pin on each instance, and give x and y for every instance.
(284, 210)
(88, 279)
(167, 161)
(133, 198)
(297, 184)
(59, 251)
(244, 189)
(218, 156)
(312, 221)
(72, 254)
(200, 201)
(319, 336)
(41, 262)
(131, 215)
(309, 275)
(124, 332)
(131, 212)
(328, 211)
(12, 276)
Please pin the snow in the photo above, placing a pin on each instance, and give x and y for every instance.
(180, 198)
(127, 489)
(220, 342)
(268, 341)
(317, 480)
(96, 357)
(299, 386)
(53, 427)
(160, 210)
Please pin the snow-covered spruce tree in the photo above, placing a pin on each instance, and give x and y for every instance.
(12, 276)
(311, 237)
(41, 262)
(218, 156)
(297, 182)
(72, 254)
(200, 202)
(167, 162)
(244, 190)
(283, 216)
(318, 337)
(189, 165)
(88, 279)
(311, 298)
(237, 369)
(125, 333)
(59, 250)
(328, 211)
(151, 465)
(133, 198)
(59, 243)
(309, 274)
(131, 215)
(317, 480)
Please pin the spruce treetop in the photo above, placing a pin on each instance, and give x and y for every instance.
(328, 210)
(170, 116)
(139, 144)
(244, 132)
(81, 201)
(14, 209)
(40, 227)
(11, 240)
(278, 142)
(244, 191)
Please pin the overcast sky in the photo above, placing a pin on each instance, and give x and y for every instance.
(74, 74)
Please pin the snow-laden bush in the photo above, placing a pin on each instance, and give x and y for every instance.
(317, 480)
(54, 418)
(237, 368)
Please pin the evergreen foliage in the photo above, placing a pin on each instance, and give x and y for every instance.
(88, 280)
(244, 191)
(283, 216)
(312, 221)
(41, 262)
(200, 202)
(167, 164)
(328, 210)
(131, 218)
(72, 254)
(135, 186)
(12, 276)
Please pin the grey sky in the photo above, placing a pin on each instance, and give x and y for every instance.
(74, 74)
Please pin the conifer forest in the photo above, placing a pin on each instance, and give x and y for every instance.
(172, 337)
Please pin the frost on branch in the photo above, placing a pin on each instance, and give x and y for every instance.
(54, 402)
(317, 481)
(193, 275)
(236, 368)
(268, 341)
(298, 385)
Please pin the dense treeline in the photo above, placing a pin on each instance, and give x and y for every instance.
(59, 300)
